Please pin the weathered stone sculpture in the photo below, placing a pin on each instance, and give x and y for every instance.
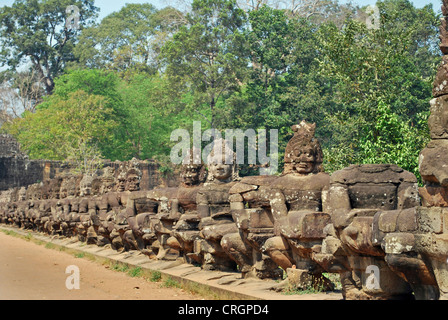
(176, 210)
(213, 209)
(419, 252)
(280, 219)
(82, 216)
(128, 182)
(358, 195)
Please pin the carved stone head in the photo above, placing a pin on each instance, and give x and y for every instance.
(108, 180)
(86, 186)
(121, 181)
(22, 194)
(221, 163)
(68, 186)
(303, 154)
(192, 172)
(133, 176)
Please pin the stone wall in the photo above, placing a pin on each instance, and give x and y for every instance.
(17, 170)
(9, 147)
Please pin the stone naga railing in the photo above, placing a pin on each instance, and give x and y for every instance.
(364, 222)
(371, 224)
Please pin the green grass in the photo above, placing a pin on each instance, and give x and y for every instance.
(10, 233)
(135, 272)
(334, 278)
(156, 276)
(171, 283)
(50, 245)
(79, 255)
(120, 267)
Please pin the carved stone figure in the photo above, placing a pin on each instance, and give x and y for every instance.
(128, 182)
(213, 209)
(358, 195)
(280, 219)
(418, 251)
(176, 221)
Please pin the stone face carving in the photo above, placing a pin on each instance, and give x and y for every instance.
(177, 219)
(213, 209)
(128, 181)
(280, 219)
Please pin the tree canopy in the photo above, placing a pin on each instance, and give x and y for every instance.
(121, 85)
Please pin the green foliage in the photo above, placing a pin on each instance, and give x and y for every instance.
(146, 131)
(122, 41)
(392, 140)
(141, 73)
(207, 56)
(62, 125)
(380, 87)
(171, 283)
(34, 31)
(156, 276)
(135, 272)
(73, 124)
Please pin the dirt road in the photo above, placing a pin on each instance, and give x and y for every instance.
(29, 271)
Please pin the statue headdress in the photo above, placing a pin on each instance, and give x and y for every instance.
(303, 139)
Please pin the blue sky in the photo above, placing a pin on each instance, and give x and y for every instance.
(109, 6)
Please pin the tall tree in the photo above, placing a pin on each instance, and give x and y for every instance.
(208, 56)
(64, 127)
(378, 78)
(121, 41)
(36, 32)
(19, 92)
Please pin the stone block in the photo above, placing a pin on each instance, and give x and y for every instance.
(429, 220)
(309, 225)
(299, 279)
(438, 120)
(397, 243)
(260, 219)
(433, 162)
(333, 246)
(388, 221)
(434, 196)
(407, 220)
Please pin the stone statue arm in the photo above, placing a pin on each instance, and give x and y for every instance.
(238, 211)
(203, 207)
(339, 205)
(130, 208)
(278, 205)
(175, 212)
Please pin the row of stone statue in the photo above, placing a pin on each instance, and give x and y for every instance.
(364, 222)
